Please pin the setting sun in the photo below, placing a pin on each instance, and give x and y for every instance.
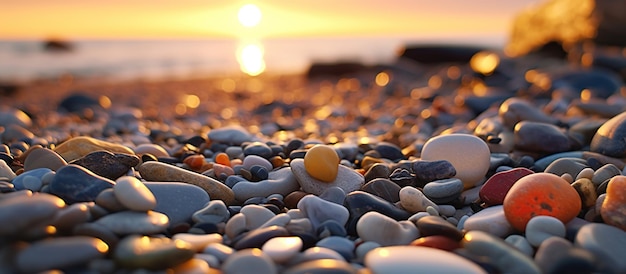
(249, 15)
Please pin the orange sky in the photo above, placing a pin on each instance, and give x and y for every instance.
(281, 18)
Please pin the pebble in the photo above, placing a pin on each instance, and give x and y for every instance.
(613, 208)
(27, 210)
(359, 203)
(413, 200)
(43, 158)
(259, 149)
(587, 192)
(409, 259)
(318, 210)
(493, 191)
(80, 146)
(134, 194)
(6, 171)
(520, 243)
(540, 228)
(75, 183)
(14, 116)
(383, 188)
(152, 253)
(342, 245)
(322, 163)
(107, 164)
(467, 153)
(389, 151)
(161, 172)
(258, 237)
(169, 195)
(504, 257)
(282, 249)
(133, 222)
(540, 194)
(153, 149)
(378, 228)
(281, 181)
(558, 255)
(346, 179)
(214, 212)
(235, 135)
(443, 191)
(514, 110)
(437, 241)
(607, 243)
(541, 138)
(428, 171)
(198, 242)
(255, 216)
(254, 160)
(321, 266)
(491, 220)
(31, 179)
(610, 139)
(59, 253)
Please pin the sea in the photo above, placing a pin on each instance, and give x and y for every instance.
(123, 59)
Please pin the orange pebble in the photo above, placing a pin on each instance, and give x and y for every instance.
(194, 161)
(613, 208)
(235, 162)
(540, 194)
(222, 159)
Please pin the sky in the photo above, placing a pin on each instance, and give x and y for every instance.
(71, 19)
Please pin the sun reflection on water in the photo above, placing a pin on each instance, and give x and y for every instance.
(250, 52)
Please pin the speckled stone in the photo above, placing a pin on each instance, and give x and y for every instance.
(169, 195)
(77, 147)
(75, 183)
(161, 172)
(58, 253)
(107, 164)
(43, 158)
(347, 179)
(417, 259)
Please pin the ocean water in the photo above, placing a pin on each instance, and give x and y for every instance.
(151, 59)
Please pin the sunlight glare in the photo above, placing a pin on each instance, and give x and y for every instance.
(250, 59)
(249, 15)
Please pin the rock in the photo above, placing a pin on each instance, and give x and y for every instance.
(437, 241)
(12, 116)
(258, 148)
(322, 163)
(133, 222)
(413, 200)
(490, 220)
(153, 149)
(558, 255)
(378, 228)
(359, 203)
(169, 195)
(258, 237)
(503, 256)
(25, 212)
(235, 135)
(78, 147)
(319, 210)
(383, 188)
(498, 185)
(134, 194)
(321, 266)
(107, 164)
(282, 249)
(343, 246)
(597, 20)
(389, 151)
(43, 158)
(214, 212)
(610, 139)
(569, 165)
(428, 171)
(417, 259)
(25, 180)
(161, 172)
(540, 137)
(199, 242)
(607, 243)
(151, 253)
(281, 181)
(540, 194)
(435, 225)
(248, 259)
(521, 244)
(613, 208)
(59, 253)
(468, 154)
(254, 160)
(443, 191)
(540, 228)
(75, 183)
(6, 171)
(347, 179)
(438, 54)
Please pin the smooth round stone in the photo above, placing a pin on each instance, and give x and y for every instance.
(468, 154)
(235, 226)
(43, 158)
(75, 183)
(389, 151)
(152, 149)
(133, 194)
(107, 164)
(540, 137)
(334, 195)
(539, 228)
(151, 253)
(383, 188)
(258, 237)
(318, 253)
(255, 160)
(604, 173)
(613, 208)
(376, 227)
(169, 195)
(417, 259)
(194, 266)
(610, 139)
(428, 171)
(413, 200)
(558, 255)
(377, 171)
(491, 220)
(219, 251)
(14, 116)
(493, 191)
(281, 181)
(331, 228)
(321, 266)
(133, 222)
(24, 211)
(62, 252)
(282, 249)
(25, 180)
(259, 149)
(80, 146)
(256, 216)
(360, 202)
(78, 103)
(162, 172)
(214, 212)
(443, 191)
(247, 260)
(281, 219)
(234, 135)
(347, 179)
(71, 216)
(435, 225)
(587, 192)
(504, 257)
(521, 244)
(6, 171)
(341, 245)
(322, 163)
(319, 210)
(514, 110)
(607, 243)
(437, 241)
(540, 194)
(198, 242)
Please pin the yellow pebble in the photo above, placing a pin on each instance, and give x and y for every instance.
(322, 163)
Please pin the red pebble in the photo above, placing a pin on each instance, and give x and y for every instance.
(540, 194)
(437, 241)
(497, 186)
(222, 159)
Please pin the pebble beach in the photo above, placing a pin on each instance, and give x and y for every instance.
(447, 160)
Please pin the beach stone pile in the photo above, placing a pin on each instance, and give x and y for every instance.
(476, 164)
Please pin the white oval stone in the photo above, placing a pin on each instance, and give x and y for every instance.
(468, 154)
(134, 194)
(413, 200)
(417, 259)
(376, 227)
(282, 249)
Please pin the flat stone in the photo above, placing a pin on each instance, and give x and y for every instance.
(199, 242)
(502, 255)
(490, 220)
(347, 179)
(540, 137)
(383, 188)
(319, 210)
(378, 228)
(540, 228)
(134, 194)
(25, 180)
(133, 222)
(80, 146)
(281, 181)
(245, 260)
(443, 191)
(75, 183)
(169, 195)
(153, 149)
(214, 212)
(342, 245)
(409, 259)
(282, 249)
(107, 164)
(428, 171)
(62, 252)
(435, 225)
(43, 158)
(253, 160)
(6, 171)
(258, 237)
(151, 253)
(258, 148)
(514, 110)
(14, 116)
(360, 202)
(162, 172)
(234, 135)
(493, 191)
(25, 211)
(607, 243)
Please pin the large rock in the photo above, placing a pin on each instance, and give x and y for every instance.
(568, 22)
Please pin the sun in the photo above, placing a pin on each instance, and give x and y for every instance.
(249, 15)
